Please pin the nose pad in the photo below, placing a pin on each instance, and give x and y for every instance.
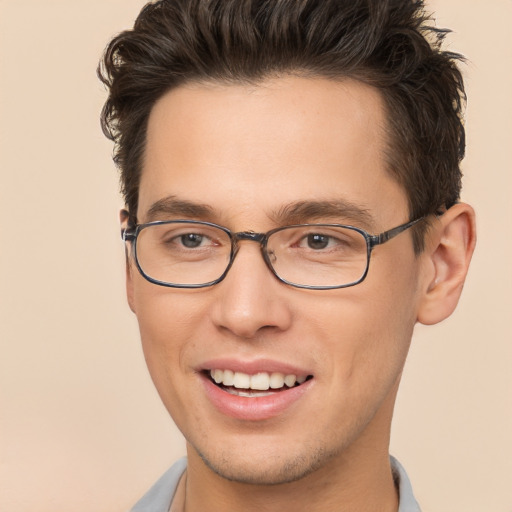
(269, 256)
(250, 298)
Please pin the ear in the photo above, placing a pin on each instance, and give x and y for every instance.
(124, 218)
(450, 243)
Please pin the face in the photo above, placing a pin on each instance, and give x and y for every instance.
(245, 157)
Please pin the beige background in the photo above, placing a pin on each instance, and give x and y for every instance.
(81, 426)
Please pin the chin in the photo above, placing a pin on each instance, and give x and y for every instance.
(265, 470)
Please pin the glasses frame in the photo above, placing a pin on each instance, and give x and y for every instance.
(131, 235)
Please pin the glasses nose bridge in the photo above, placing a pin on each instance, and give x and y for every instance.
(259, 238)
(251, 236)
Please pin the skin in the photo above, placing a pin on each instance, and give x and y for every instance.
(246, 152)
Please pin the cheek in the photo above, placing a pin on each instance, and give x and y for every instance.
(168, 323)
(392, 307)
(365, 331)
(165, 314)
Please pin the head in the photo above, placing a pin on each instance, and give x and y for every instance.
(258, 114)
(390, 45)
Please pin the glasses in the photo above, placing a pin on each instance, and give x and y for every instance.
(195, 254)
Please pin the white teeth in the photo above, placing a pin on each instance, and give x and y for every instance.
(247, 393)
(242, 380)
(260, 381)
(229, 378)
(276, 380)
(289, 380)
(217, 375)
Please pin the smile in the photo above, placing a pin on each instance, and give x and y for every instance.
(259, 384)
(255, 390)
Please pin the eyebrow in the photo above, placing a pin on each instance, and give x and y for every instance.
(171, 206)
(339, 210)
(298, 212)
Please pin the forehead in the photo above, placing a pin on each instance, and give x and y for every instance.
(247, 149)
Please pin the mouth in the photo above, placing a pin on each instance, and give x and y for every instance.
(260, 384)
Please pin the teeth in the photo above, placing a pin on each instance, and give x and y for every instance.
(229, 377)
(217, 376)
(289, 380)
(276, 380)
(260, 381)
(241, 380)
(246, 393)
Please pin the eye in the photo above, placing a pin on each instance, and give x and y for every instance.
(328, 240)
(317, 241)
(184, 239)
(192, 240)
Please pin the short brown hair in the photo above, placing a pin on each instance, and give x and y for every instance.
(389, 44)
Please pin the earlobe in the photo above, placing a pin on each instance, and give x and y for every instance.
(124, 217)
(450, 245)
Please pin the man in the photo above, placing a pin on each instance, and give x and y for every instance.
(291, 177)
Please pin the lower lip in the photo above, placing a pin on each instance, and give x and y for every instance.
(254, 408)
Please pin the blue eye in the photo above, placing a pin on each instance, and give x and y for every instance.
(191, 240)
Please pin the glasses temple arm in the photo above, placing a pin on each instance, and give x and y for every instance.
(127, 235)
(391, 233)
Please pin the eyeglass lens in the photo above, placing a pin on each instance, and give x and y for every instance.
(194, 254)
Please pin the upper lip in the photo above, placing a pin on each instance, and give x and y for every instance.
(252, 367)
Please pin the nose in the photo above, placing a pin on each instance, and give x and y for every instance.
(250, 299)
